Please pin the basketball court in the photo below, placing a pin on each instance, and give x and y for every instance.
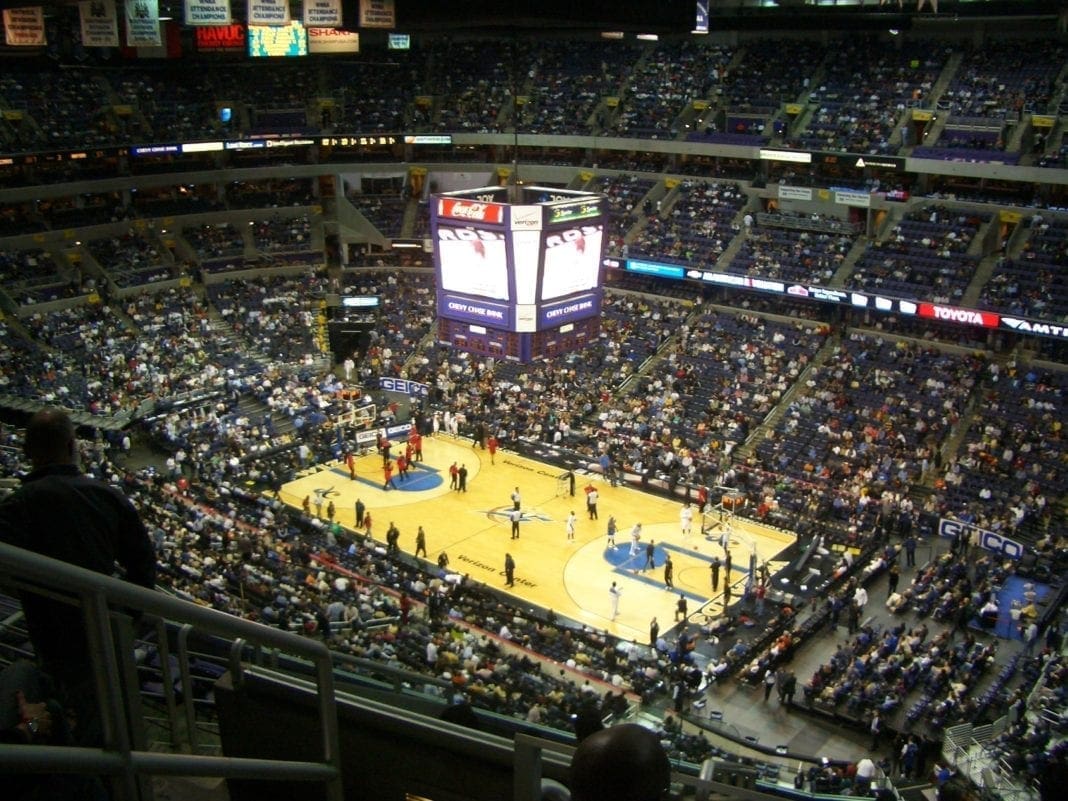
(571, 577)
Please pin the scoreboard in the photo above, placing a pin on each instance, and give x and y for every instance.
(514, 262)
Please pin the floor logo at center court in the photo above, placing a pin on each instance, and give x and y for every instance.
(503, 514)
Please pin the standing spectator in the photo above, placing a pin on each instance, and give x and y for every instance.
(360, 509)
(909, 753)
(420, 542)
(759, 593)
(331, 510)
(894, 576)
(910, 550)
(613, 596)
(769, 682)
(876, 728)
(790, 687)
(635, 538)
(654, 632)
(509, 570)
(681, 609)
(686, 520)
(61, 513)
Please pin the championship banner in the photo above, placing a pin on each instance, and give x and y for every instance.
(24, 27)
(142, 23)
(100, 23)
(207, 12)
(378, 14)
(322, 13)
(268, 12)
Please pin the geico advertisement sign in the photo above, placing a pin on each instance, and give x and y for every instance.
(333, 40)
(987, 540)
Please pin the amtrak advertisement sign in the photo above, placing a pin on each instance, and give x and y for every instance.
(987, 540)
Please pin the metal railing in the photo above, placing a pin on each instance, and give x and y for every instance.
(106, 604)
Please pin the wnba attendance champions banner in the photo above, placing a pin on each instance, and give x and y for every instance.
(142, 23)
(322, 13)
(207, 12)
(268, 12)
(100, 23)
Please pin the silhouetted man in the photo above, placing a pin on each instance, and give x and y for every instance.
(620, 763)
(62, 513)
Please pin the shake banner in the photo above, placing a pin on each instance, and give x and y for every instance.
(479, 312)
(24, 27)
(268, 12)
(322, 14)
(333, 40)
(207, 12)
(100, 23)
(142, 23)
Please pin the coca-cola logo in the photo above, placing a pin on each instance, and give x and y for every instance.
(469, 210)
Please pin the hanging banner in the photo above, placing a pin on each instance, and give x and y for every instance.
(268, 12)
(24, 27)
(142, 23)
(322, 13)
(100, 23)
(207, 12)
(333, 40)
(378, 14)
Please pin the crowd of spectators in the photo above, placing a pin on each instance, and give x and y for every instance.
(627, 203)
(473, 87)
(133, 258)
(772, 72)
(926, 255)
(695, 227)
(859, 111)
(664, 84)
(1032, 284)
(470, 85)
(1010, 465)
(811, 257)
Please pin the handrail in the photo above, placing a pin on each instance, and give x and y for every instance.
(103, 599)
